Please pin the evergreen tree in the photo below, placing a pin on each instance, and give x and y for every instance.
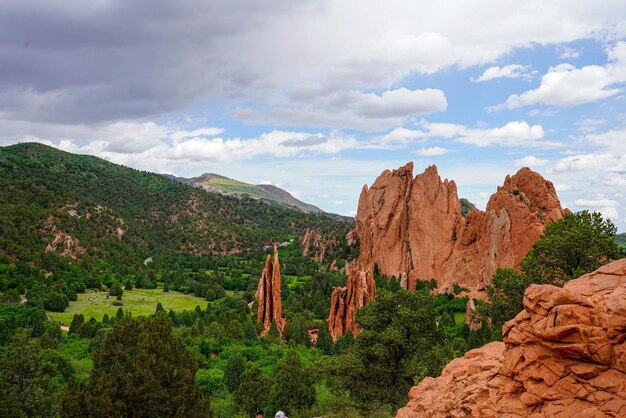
(172, 316)
(77, 321)
(400, 343)
(293, 387)
(142, 369)
(234, 368)
(273, 335)
(215, 330)
(32, 378)
(324, 340)
(235, 330)
(301, 333)
(159, 308)
(252, 392)
(250, 331)
(198, 328)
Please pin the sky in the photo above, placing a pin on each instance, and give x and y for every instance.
(319, 97)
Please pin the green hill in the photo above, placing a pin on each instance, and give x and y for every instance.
(271, 194)
(621, 240)
(57, 205)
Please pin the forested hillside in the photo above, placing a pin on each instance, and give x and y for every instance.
(56, 206)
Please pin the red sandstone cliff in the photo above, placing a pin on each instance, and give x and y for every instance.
(563, 356)
(268, 295)
(413, 228)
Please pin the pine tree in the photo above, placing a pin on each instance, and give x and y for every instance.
(301, 333)
(324, 340)
(253, 390)
(159, 308)
(250, 331)
(77, 321)
(293, 388)
(234, 368)
(235, 330)
(273, 335)
(143, 369)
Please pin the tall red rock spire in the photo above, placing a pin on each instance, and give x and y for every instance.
(413, 229)
(268, 295)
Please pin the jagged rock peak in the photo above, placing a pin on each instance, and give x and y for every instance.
(268, 294)
(563, 356)
(412, 228)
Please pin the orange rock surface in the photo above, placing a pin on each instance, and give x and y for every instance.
(563, 356)
(413, 229)
(313, 241)
(268, 295)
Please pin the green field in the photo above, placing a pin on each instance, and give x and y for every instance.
(459, 317)
(138, 301)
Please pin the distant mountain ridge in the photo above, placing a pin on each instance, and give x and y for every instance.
(217, 183)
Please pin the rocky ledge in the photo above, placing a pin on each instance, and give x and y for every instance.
(564, 355)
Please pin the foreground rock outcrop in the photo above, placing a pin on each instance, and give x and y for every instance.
(268, 295)
(414, 229)
(564, 355)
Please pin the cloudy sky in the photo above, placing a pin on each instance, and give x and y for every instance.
(319, 97)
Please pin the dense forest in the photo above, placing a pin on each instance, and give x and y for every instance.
(210, 360)
(55, 202)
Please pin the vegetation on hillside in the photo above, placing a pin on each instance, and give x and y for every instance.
(53, 202)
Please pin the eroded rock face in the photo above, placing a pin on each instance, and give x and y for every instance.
(268, 295)
(564, 355)
(312, 241)
(413, 229)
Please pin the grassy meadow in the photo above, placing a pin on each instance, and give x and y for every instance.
(138, 301)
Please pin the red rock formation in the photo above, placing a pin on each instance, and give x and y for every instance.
(344, 302)
(268, 295)
(413, 229)
(564, 355)
(316, 242)
(470, 308)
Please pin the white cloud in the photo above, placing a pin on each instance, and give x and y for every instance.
(582, 162)
(610, 212)
(569, 53)
(565, 85)
(613, 140)
(589, 125)
(353, 109)
(606, 206)
(514, 133)
(508, 71)
(530, 161)
(595, 201)
(432, 151)
(614, 181)
(178, 135)
(562, 187)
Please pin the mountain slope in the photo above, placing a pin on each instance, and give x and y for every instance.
(55, 203)
(271, 194)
